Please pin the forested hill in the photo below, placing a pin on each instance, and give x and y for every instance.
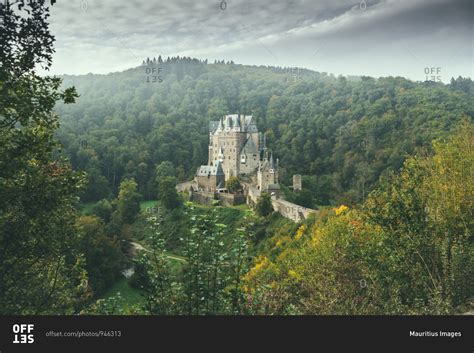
(341, 134)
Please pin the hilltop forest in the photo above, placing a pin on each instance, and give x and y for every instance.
(340, 134)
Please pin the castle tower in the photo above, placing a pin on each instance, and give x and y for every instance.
(228, 136)
(267, 175)
(297, 183)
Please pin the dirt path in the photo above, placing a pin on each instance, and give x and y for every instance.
(140, 247)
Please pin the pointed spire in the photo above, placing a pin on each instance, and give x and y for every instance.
(272, 165)
(227, 124)
(221, 124)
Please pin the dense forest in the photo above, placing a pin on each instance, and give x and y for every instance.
(89, 164)
(340, 134)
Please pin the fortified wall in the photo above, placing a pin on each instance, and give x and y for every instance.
(287, 209)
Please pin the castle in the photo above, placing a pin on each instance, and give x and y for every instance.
(237, 149)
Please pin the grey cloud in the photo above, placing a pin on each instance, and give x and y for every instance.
(282, 32)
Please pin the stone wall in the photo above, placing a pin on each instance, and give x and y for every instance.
(290, 210)
(186, 186)
(207, 198)
(287, 209)
(203, 198)
(231, 199)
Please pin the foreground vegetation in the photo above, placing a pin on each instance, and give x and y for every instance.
(409, 249)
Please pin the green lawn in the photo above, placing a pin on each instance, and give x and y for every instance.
(243, 207)
(147, 204)
(86, 207)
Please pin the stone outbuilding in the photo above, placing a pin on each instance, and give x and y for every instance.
(210, 177)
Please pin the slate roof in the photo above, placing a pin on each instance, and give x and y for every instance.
(249, 147)
(213, 126)
(210, 170)
(245, 121)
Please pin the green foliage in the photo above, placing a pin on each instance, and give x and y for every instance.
(408, 250)
(127, 303)
(208, 282)
(104, 258)
(264, 205)
(429, 212)
(303, 197)
(41, 270)
(103, 209)
(233, 184)
(168, 196)
(128, 201)
(163, 170)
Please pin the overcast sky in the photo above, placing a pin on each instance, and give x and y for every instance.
(376, 38)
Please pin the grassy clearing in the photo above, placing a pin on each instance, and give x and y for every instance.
(86, 207)
(129, 295)
(148, 204)
(242, 207)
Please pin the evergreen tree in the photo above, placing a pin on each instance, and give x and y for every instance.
(168, 195)
(264, 205)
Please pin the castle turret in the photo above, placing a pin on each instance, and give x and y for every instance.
(267, 174)
(227, 123)
(238, 124)
(221, 125)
